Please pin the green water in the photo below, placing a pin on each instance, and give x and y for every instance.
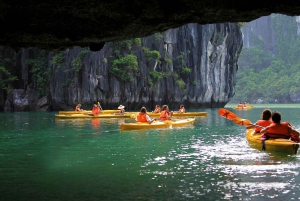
(43, 158)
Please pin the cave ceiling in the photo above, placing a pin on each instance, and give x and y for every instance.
(61, 24)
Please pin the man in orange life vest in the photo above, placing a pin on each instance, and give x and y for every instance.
(143, 116)
(280, 130)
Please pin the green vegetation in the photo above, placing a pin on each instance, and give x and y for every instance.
(271, 77)
(58, 60)
(77, 63)
(67, 83)
(40, 72)
(6, 79)
(152, 55)
(123, 63)
(241, 24)
(181, 84)
(122, 67)
(158, 36)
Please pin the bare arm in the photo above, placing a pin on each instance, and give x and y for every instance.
(294, 131)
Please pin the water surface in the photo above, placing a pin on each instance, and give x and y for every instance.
(43, 158)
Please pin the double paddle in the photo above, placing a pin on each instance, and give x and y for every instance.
(231, 116)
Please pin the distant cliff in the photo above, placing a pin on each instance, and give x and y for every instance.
(194, 65)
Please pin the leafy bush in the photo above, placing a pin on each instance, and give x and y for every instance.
(6, 79)
(40, 72)
(152, 55)
(123, 67)
(77, 63)
(58, 60)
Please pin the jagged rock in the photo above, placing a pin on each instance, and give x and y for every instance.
(60, 24)
(210, 52)
(43, 105)
(20, 100)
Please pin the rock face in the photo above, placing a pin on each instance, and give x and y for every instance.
(196, 67)
(60, 24)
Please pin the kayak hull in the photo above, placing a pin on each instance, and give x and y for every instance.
(158, 124)
(73, 116)
(175, 114)
(243, 108)
(279, 145)
(87, 112)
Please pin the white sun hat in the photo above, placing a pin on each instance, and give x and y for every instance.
(121, 107)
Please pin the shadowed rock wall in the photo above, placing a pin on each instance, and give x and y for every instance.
(209, 51)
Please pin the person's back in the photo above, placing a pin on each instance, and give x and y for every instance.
(265, 120)
(143, 116)
(240, 105)
(278, 129)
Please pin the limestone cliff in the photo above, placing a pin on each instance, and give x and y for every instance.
(196, 67)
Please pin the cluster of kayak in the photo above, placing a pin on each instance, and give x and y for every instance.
(248, 107)
(255, 139)
(189, 118)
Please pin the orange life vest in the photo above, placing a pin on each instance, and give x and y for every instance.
(263, 123)
(240, 105)
(278, 130)
(163, 115)
(142, 117)
(95, 110)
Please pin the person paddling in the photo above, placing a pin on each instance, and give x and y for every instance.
(280, 130)
(122, 109)
(157, 109)
(95, 110)
(181, 109)
(165, 113)
(78, 108)
(143, 116)
(264, 122)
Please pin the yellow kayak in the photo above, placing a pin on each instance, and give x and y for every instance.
(280, 145)
(176, 114)
(72, 116)
(243, 108)
(158, 124)
(87, 112)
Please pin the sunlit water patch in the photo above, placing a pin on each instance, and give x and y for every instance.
(44, 158)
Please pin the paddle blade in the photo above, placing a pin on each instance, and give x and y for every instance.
(227, 114)
(242, 122)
